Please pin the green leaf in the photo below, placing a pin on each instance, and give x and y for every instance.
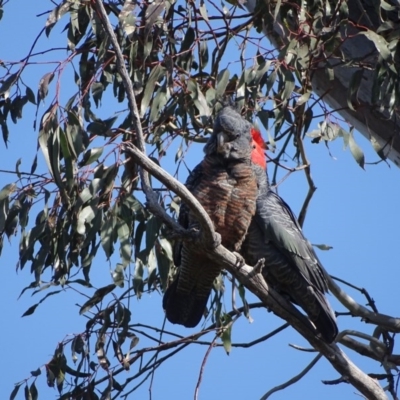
(288, 84)
(127, 18)
(138, 278)
(155, 75)
(107, 235)
(277, 8)
(203, 10)
(33, 391)
(17, 168)
(45, 130)
(30, 95)
(380, 150)
(7, 190)
(27, 392)
(85, 217)
(55, 155)
(242, 294)
(5, 132)
(324, 247)
(226, 334)
(271, 81)
(7, 83)
(15, 391)
(153, 11)
(97, 92)
(152, 231)
(118, 275)
(164, 260)
(44, 86)
(198, 98)
(56, 14)
(354, 86)
(303, 98)
(222, 82)
(125, 249)
(159, 101)
(60, 380)
(98, 296)
(102, 128)
(90, 156)
(381, 45)
(356, 151)
(203, 54)
(151, 268)
(30, 310)
(185, 52)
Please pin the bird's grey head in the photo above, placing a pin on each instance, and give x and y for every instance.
(231, 138)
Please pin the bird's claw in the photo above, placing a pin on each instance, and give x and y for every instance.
(240, 262)
(259, 266)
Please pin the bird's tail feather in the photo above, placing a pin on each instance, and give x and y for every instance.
(184, 308)
(325, 322)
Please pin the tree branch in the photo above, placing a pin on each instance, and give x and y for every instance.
(293, 380)
(382, 320)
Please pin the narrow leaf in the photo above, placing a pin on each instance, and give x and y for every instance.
(97, 297)
(44, 86)
(356, 151)
(324, 247)
(14, 392)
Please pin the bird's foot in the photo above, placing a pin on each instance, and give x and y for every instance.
(240, 262)
(259, 266)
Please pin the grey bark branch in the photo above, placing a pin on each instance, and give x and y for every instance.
(385, 321)
(292, 380)
(374, 123)
(392, 360)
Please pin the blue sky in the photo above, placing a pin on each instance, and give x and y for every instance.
(353, 210)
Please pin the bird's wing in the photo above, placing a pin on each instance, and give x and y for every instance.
(282, 230)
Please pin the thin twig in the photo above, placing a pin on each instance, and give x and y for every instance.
(295, 379)
(203, 364)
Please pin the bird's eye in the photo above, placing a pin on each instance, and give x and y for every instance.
(237, 136)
